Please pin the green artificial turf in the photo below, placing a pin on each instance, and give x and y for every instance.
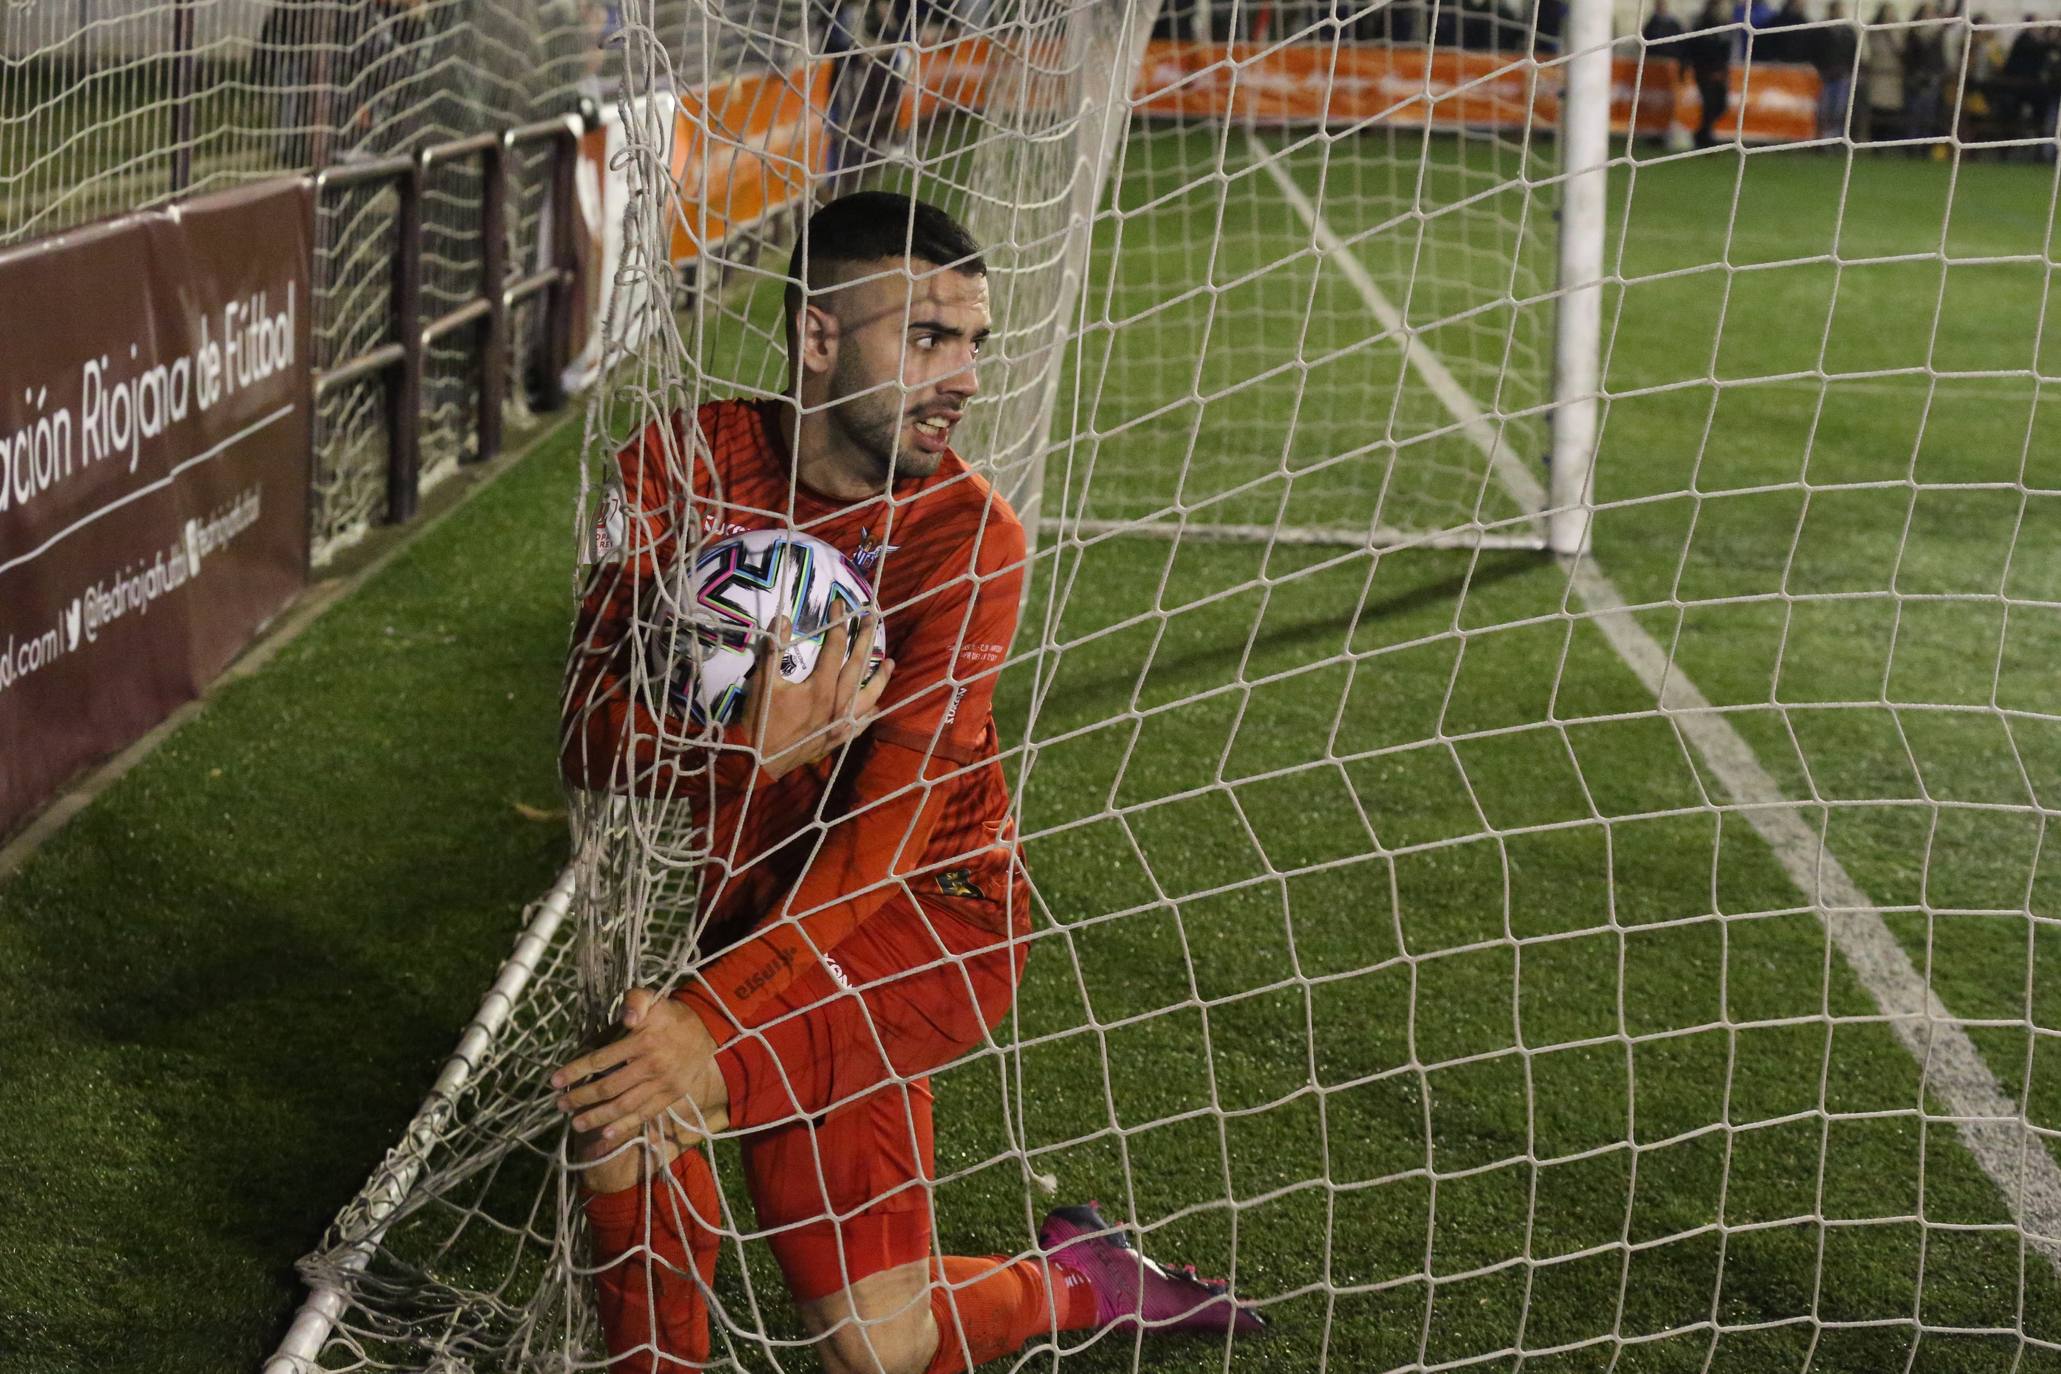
(1392, 954)
(230, 980)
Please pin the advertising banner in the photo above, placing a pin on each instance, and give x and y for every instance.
(155, 432)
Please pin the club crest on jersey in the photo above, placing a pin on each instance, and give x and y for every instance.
(870, 551)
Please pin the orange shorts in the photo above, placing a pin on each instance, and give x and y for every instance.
(829, 1084)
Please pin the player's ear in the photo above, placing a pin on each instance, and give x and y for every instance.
(816, 330)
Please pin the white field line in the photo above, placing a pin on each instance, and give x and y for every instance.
(1486, 434)
(1991, 1124)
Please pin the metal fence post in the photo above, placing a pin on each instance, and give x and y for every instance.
(182, 96)
(493, 344)
(559, 303)
(404, 383)
(400, 361)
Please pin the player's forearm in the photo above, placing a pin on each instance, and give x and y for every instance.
(851, 876)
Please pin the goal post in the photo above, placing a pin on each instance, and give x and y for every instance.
(1445, 237)
(1578, 325)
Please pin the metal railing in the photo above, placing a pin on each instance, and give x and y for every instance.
(400, 361)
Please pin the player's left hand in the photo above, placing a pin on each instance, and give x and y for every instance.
(663, 1063)
(793, 724)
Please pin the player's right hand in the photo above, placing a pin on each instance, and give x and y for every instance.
(660, 1072)
(793, 724)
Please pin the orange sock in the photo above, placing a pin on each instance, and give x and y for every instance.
(994, 1306)
(649, 1301)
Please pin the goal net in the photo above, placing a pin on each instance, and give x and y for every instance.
(1250, 277)
(119, 105)
(1631, 959)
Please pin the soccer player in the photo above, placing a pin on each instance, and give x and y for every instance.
(866, 911)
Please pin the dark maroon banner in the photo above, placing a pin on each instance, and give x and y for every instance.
(156, 425)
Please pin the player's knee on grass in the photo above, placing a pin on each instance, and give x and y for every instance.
(880, 1325)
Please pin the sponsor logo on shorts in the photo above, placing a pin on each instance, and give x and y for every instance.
(837, 973)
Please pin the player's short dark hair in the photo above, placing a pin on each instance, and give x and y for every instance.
(869, 226)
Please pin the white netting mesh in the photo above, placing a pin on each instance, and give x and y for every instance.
(1226, 318)
(122, 104)
(1489, 961)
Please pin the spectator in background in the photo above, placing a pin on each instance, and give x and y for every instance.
(1985, 52)
(394, 52)
(1182, 20)
(2022, 90)
(1552, 23)
(1512, 33)
(1661, 28)
(1882, 78)
(1981, 62)
(874, 75)
(1445, 24)
(1666, 57)
(1667, 65)
(1349, 15)
(1751, 16)
(1833, 55)
(842, 26)
(338, 75)
(926, 21)
(1710, 63)
(1782, 38)
(2049, 108)
(1400, 22)
(284, 62)
(1478, 23)
(1925, 69)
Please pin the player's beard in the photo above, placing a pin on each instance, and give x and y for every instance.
(872, 422)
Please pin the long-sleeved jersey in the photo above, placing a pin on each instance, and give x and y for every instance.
(918, 805)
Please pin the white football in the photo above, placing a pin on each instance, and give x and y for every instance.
(740, 585)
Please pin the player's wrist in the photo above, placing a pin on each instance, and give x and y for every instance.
(738, 763)
(699, 997)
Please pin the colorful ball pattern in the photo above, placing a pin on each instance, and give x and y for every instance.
(743, 584)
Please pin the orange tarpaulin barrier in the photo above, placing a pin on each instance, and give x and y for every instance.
(1349, 83)
(1779, 103)
(741, 149)
(744, 149)
(1403, 85)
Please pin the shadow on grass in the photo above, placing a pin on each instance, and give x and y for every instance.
(1280, 636)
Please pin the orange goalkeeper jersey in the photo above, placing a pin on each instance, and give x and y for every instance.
(919, 807)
